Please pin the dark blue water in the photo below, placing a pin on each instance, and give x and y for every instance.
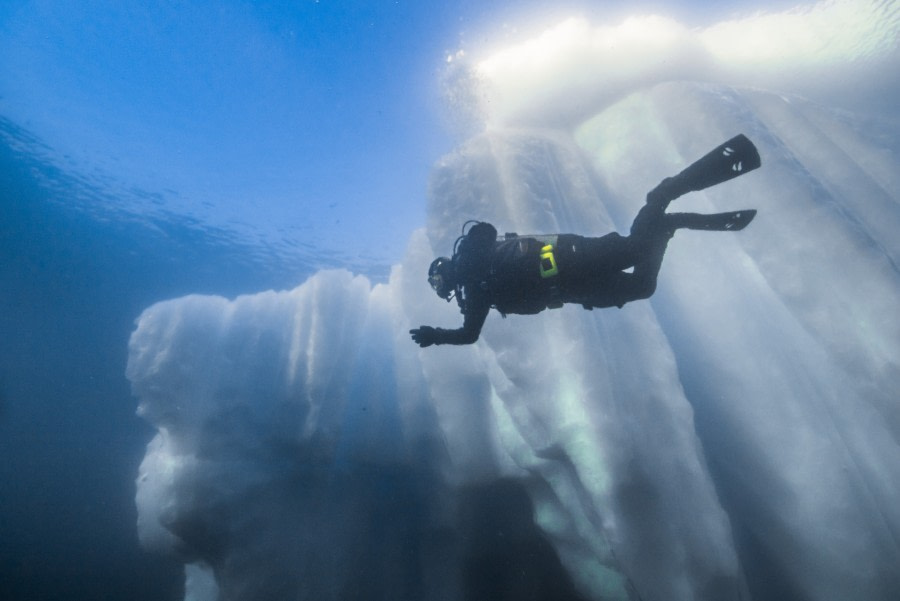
(72, 281)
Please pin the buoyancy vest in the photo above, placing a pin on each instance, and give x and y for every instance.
(515, 282)
(517, 274)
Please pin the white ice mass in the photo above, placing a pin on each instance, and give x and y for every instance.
(737, 436)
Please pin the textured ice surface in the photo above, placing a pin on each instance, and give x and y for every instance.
(734, 437)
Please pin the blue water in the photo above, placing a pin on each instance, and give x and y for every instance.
(71, 285)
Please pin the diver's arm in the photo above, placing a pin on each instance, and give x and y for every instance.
(473, 259)
(468, 334)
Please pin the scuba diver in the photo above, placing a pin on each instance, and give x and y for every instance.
(527, 274)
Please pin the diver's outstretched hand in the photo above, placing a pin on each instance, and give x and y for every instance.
(424, 336)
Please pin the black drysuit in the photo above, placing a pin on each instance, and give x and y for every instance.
(505, 274)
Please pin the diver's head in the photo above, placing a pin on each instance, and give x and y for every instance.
(442, 277)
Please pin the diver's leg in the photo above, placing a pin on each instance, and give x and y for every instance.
(641, 282)
(651, 231)
(581, 257)
(614, 289)
(642, 250)
(731, 221)
(650, 222)
(650, 234)
(599, 278)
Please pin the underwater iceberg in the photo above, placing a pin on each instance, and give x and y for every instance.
(737, 436)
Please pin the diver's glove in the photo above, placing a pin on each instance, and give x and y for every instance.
(424, 336)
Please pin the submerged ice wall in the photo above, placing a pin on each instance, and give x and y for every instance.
(735, 437)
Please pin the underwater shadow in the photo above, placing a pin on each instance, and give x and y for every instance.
(505, 556)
